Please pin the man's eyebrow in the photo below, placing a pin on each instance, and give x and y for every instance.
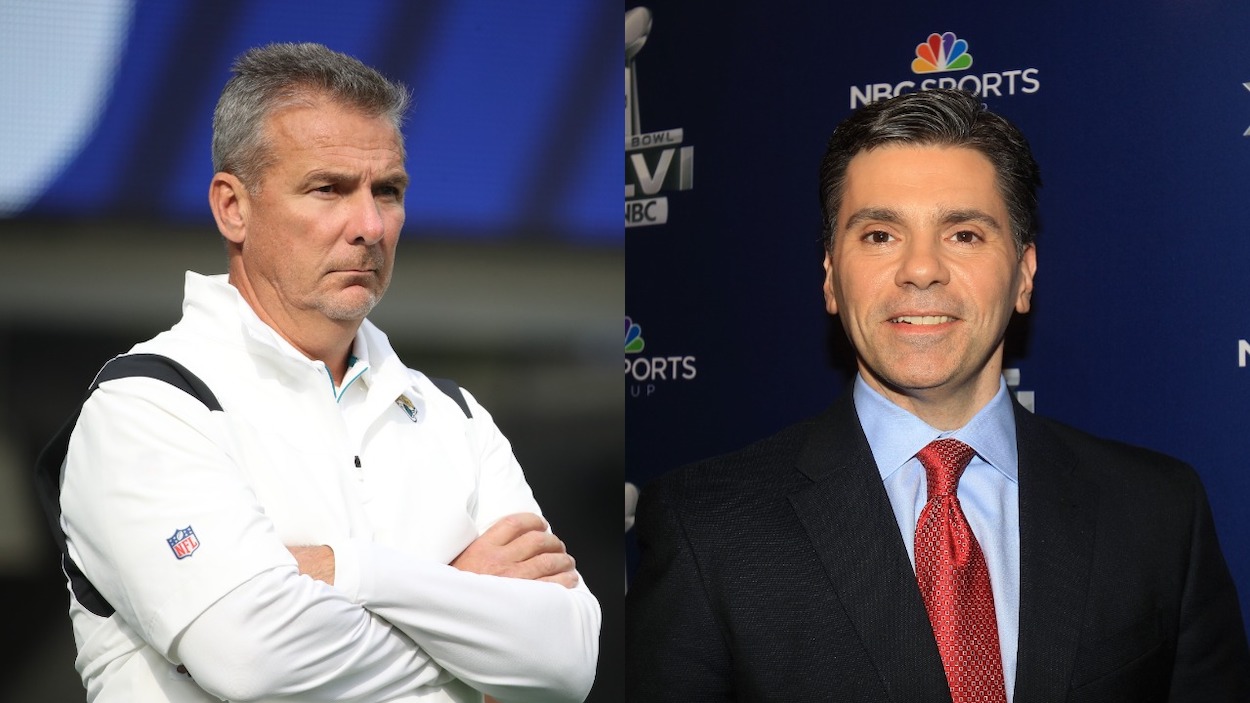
(323, 175)
(396, 179)
(880, 214)
(947, 217)
(954, 217)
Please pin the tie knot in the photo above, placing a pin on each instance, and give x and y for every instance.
(944, 461)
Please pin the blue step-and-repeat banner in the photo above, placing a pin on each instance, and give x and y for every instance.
(1140, 118)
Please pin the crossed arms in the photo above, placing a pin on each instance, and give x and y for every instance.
(508, 616)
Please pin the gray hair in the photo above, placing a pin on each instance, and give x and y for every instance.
(937, 117)
(269, 78)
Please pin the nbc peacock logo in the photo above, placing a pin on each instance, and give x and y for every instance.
(941, 52)
(634, 342)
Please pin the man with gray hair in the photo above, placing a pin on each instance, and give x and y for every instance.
(263, 502)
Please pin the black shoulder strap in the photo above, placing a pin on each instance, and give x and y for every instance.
(161, 368)
(48, 465)
(452, 389)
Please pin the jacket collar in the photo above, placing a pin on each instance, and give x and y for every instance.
(1057, 506)
(212, 306)
(847, 516)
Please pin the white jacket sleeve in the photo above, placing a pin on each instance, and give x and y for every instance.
(517, 640)
(302, 639)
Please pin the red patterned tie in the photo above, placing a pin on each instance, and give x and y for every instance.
(955, 582)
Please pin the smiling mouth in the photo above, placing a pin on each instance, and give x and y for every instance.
(923, 319)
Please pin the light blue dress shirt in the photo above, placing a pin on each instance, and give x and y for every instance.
(988, 492)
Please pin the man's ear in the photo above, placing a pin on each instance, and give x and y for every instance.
(831, 301)
(230, 203)
(1028, 267)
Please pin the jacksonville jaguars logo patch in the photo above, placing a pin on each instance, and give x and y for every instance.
(403, 402)
(184, 542)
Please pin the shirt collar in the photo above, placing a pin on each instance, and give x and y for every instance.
(358, 358)
(895, 435)
(357, 369)
(218, 289)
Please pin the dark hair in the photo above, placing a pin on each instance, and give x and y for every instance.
(271, 77)
(937, 117)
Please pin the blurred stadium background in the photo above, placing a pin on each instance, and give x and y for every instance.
(510, 275)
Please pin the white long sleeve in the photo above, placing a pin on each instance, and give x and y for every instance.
(315, 645)
(514, 639)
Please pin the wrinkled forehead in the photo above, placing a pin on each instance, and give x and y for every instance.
(326, 105)
(333, 126)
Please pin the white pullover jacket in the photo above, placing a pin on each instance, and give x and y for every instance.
(180, 517)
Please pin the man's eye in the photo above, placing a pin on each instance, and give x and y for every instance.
(325, 189)
(877, 237)
(966, 237)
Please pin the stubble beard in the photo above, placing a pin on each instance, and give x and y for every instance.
(352, 307)
(355, 303)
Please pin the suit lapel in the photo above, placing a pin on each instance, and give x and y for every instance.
(847, 516)
(1056, 549)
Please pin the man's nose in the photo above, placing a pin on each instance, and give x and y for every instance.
(922, 264)
(366, 225)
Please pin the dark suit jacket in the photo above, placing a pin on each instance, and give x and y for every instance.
(777, 573)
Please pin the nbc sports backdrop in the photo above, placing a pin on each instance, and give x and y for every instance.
(1140, 119)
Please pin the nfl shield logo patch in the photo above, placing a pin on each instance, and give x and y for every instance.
(183, 542)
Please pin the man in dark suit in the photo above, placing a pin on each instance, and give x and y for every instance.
(926, 538)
